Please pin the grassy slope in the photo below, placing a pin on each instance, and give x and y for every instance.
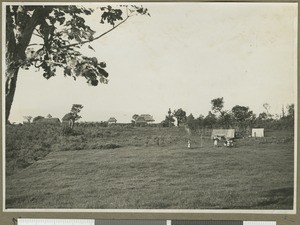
(154, 169)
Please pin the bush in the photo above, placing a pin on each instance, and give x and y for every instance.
(111, 146)
(66, 131)
(35, 119)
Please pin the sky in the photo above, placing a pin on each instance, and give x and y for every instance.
(183, 56)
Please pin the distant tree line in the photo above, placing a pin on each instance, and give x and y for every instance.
(239, 117)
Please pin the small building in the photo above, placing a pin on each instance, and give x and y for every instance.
(111, 120)
(140, 120)
(258, 132)
(226, 133)
(148, 118)
(48, 121)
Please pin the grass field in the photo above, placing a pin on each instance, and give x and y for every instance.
(152, 168)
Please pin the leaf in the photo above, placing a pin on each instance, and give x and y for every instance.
(102, 64)
(103, 80)
(90, 47)
(94, 82)
(87, 12)
(102, 72)
(61, 20)
(67, 71)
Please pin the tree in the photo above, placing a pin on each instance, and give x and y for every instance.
(262, 116)
(28, 118)
(135, 116)
(200, 121)
(180, 115)
(267, 107)
(191, 122)
(169, 120)
(242, 115)
(217, 105)
(210, 120)
(226, 119)
(49, 116)
(291, 110)
(73, 116)
(62, 31)
(288, 120)
(282, 111)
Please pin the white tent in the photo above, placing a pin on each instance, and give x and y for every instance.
(258, 132)
(227, 133)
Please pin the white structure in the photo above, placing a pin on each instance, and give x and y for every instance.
(258, 132)
(227, 133)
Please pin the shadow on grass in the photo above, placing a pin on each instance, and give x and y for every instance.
(281, 196)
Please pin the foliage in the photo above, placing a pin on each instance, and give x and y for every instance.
(210, 120)
(180, 115)
(66, 131)
(267, 108)
(226, 120)
(75, 110)
(239, 117)
(73, 115)
(62, 30)
(28, 118)
(286, 121)
(217, 104)
(169, 120)
(191, 122)
(37, 118)
(291, 111)
(243, 116)
(135, 116)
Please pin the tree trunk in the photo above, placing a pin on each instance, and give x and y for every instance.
(15, 52)
(71, 123)
(10, 88)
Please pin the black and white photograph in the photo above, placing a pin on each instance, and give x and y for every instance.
(149, 106)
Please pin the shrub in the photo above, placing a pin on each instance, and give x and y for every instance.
(66, 131)
(35, 119)
(111, 146)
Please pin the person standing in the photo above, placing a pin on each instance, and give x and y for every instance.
(215, 141)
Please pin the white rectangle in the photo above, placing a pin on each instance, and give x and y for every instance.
(259, 223)
(55, 222)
